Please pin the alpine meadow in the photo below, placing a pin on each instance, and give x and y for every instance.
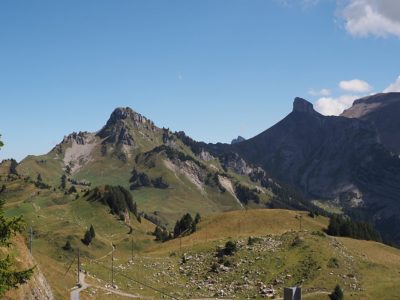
(200, 149)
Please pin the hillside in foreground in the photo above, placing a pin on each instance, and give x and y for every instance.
(275, 248)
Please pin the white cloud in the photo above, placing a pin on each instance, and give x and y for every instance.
(379, 18)
(330, 106)
(334, 106)
(321, 92)
(394, 87)
(355, 86)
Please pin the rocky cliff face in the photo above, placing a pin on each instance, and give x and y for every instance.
(329, 158)
(383, 111)
(118, 130)
(303, 106)
(80, 138)
(310, 151)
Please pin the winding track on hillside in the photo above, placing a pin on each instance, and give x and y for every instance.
(83, 286)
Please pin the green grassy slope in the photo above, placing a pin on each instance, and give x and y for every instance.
(56, 218)
(49, 166)
(188, 189)
(281, 254)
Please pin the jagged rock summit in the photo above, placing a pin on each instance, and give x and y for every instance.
(80, 137)
(119, 127)
(238, 140)
(302, 105)
(127, 113)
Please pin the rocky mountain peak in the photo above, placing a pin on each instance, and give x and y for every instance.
(128, 114)
(238, 140)
(302, 105)
(121, 113)
(120, 127)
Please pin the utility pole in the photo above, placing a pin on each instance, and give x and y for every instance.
(132, 250)
(79, 265)
(180, 240)
(301, 223)
(112, 268)
(300, 217)
(30, 239)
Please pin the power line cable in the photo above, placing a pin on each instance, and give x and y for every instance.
(141, 283)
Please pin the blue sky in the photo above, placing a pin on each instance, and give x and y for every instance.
(215, 69)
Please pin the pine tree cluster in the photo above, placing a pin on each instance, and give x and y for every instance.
(186, 225)
(341, 226)
(118, 199)
(139, 179)
(245, 194)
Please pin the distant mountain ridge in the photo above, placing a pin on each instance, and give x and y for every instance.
(336, 158)
(342, 159)
(383, 110)
(303, 150)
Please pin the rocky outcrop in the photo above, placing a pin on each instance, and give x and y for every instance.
(118, 130)
(76, 150)
(383, 111)
(190, 170)
(80, 138)
(302, 105)
(236, 163)
(205, 155)
(136, 119)
(238, 140)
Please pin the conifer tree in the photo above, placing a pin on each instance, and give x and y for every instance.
(9, 277)
(63, 183)
(67, 246)
(87, 238)
(92, 232)
(197, 219)
(337, 294)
